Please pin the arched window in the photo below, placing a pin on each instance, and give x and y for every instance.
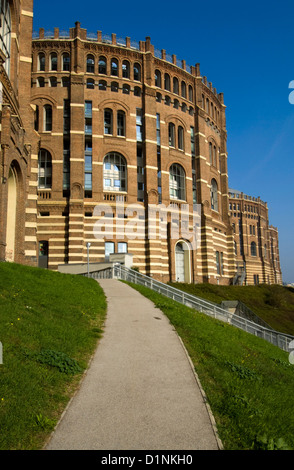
(53, 82)
(214, 198)
(176, 104)
(65, 82)
(44, 169)
(137, 91)
(167, 82)
(114, 67)
(212, 154)
(108, 121)
(126, 89)
(121, 123)
(66, 62)
(114, 172)
(176, 85)
(190, 93)
(5, 33)
(183, 90)
(102, 65)
(158, 78)
(253, 249)
(158, 97)
(180, 138)
(102, 85)
(167, 100)
(265, 251)
(177, 182)
(41, 82)
(47, 118)
(41, 62)
(171, 134)
(137, 72)
(53, 61)
(126, 69)
(90, 84)
(114, 86)
(90, 63)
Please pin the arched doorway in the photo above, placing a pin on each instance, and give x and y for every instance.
(11, 216)
(183, 262)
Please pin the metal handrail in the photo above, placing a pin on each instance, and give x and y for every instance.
(281, 340)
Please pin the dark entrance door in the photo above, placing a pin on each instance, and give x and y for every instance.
(43, 254)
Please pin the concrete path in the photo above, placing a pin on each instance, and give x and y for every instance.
(140, 392)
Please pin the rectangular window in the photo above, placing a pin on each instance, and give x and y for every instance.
(109, 249)
(139, 124)
(158, 128)
(122, 247)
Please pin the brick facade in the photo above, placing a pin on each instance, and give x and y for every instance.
(117, 131)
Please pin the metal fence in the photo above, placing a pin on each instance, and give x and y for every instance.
(209, 308)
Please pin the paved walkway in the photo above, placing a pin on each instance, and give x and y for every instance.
(140, 392)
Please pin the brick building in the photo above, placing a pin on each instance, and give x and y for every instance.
(256, 242)
(125, 140)
(19, 143)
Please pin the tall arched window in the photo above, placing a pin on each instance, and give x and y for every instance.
(253, 249)
(180, 138)
(176, 85)
(137, 72)
(53, 61)
(126, 69)
(5, 33)
(90, 63)
(66, 62)
(214, 198)
(121, 123)
(190, 93)
(102, 65)
(183, 90)
(44, 169)
(114, 67)
(114, 172)
(41, 62)
(108, 121)
(47, 118)
(158, 78)
(167, 82)
(171, 134)
(177, 182)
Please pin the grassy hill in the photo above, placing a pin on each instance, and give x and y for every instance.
(248, 382)
(274, 304)
(49, 327)
(50, 324)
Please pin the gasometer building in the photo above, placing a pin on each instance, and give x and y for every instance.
(127, 152)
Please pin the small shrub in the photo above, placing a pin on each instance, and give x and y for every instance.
(43, 422)
(59, 360)
(268, 443)
(241, 371)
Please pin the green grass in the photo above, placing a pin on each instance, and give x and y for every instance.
(273, 303)
(50, 324)
(248, 382)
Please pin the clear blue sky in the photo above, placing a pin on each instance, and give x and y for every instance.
(246, 49)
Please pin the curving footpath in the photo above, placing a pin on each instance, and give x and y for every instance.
(140, 391)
